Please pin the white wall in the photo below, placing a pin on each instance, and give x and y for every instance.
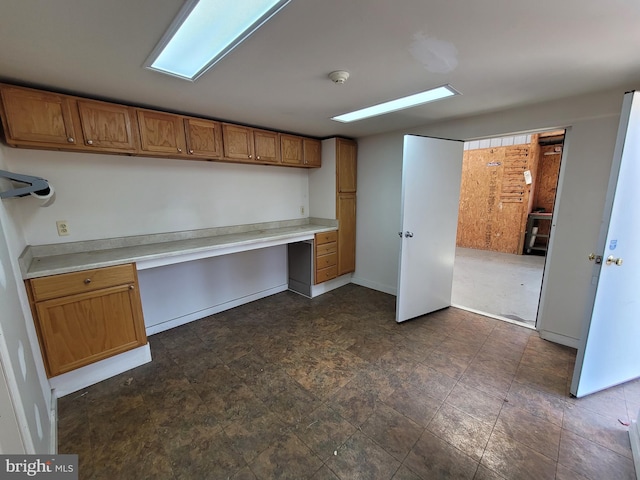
(210, 285)
(378, 216)
(586, 163)
(19, 352)
(105, 196)
(322, 183)
(10, 436)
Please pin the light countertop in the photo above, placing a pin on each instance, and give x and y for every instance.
(149, 251)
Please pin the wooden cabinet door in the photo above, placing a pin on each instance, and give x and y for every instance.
(81, 329)
(161, 133)
(312, 152)
(237, 142)
(346, 212)
(266, 146)
(32, 117)
(346, 155)
(107, 126)
(204, 138)
(292, 149)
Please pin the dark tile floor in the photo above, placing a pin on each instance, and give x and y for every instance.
(333, 388)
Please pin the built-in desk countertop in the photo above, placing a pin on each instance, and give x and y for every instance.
(155, 250)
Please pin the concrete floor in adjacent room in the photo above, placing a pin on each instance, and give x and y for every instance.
(499, 284)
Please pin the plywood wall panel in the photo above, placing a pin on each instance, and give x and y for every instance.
(547, 182)
(494, 198)
(506, 227)
(479, 196)
(548, 171)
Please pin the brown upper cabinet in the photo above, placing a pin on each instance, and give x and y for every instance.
(248, 144)
(346, 165)
(178, 136)
(237, 142)
(292, 149)
(161, 133)
(312, 150)
(33, 118)
(204, 138)
(266, 146)
(39, 119)
(107, 126)
(300, 151)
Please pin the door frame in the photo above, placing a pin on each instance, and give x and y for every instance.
(550, 243)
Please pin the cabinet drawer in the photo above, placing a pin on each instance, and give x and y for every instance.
(65, 284)
(326, 249)
(326, 237)
(325, 261)
(326, 274)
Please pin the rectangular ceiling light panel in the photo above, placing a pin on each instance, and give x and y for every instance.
(204, 31)
(399, 104)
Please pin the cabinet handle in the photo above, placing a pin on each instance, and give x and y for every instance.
(191, 152)
(89, 142)
(179, 150)
(131, 287)
(250, 156)
(71, 139)
(87, 281)
(258, 157)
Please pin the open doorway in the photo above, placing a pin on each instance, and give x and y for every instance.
(507, 197)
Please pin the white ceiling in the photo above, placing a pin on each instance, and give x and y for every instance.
(498, 53)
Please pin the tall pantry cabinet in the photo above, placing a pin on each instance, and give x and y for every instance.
(332, 194)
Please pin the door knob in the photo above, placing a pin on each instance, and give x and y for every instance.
(611, 259)
(408, 234)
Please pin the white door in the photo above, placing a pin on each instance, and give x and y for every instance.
(431, 174)
(609, 353)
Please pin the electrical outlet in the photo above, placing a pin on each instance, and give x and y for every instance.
(63, 228)
(301, 209)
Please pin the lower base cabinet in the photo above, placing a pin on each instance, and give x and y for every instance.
(326, 256)
(87, 316)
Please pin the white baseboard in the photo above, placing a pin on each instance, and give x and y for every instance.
(96, 372)
(191, 317)
(558, 338)
(375, 286)
(329, 285)
(634, 436)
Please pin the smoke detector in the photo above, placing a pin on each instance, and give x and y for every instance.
(339, 76)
